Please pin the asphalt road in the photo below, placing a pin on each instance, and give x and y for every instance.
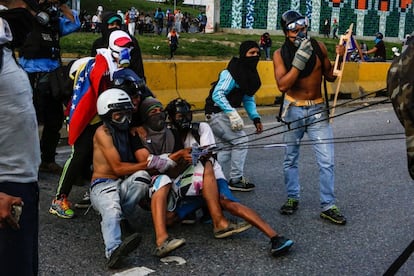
(373, 189)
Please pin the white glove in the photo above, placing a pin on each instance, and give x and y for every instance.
(302, 54)
(235, 120)
(160, 162)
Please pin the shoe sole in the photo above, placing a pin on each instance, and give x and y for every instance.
(282, 251)
(127, 246)
(283, 212)
(323, 216)
(54, 212)
(82, 206)
(232, 232)
(240, 189)
(179, 243)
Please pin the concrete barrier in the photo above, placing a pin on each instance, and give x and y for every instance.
(192, 80)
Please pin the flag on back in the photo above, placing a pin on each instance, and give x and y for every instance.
(85, 95)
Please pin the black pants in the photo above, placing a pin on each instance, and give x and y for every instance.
(78, 166)
(19, 248)
(49, 112)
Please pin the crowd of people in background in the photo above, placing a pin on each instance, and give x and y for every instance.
(139, 22)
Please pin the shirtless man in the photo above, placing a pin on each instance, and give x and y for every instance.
(299, 66)
(112, 195)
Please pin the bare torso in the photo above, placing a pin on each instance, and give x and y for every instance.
(307, 88)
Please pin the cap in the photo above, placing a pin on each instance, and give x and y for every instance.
(119, 38)
(110, 17)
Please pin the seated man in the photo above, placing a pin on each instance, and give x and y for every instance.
(165, 154)
(112, 195)
(379, 51)
(201, 135)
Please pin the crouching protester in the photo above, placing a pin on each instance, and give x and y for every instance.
(174, 178)
(116, 188)
(200, 135)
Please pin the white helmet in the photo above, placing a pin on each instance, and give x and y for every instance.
(112, 100)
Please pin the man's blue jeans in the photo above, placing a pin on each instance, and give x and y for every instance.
(314, 121)
(116, 200)
(233, 144)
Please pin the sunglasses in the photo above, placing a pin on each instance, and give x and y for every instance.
(302, 22)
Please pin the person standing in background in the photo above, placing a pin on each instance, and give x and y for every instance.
(19, 190)
(334, 29)
(173, 41)
(266, 44)
(40, 56)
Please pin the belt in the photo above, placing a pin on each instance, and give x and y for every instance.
(98, 180)
(295, 102)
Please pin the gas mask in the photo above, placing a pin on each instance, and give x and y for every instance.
(120, 120)
(123, 57)
(301, 36)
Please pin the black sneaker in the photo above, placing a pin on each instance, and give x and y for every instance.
(241, 185)
(289, 207)
(127, 246)
(280, 245)
(84, 203)
(334, 215)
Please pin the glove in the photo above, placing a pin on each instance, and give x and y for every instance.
(302, 55)
(160, 162)
(235, 120)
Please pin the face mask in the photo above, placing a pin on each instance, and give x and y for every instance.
(376, 40)
(156, 122)
(122, 121)
(123, 57)
(185, 121)
(301, 36)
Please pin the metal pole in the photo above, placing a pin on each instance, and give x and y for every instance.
(175, 4)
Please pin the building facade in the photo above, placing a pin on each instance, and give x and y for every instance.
(394, 18)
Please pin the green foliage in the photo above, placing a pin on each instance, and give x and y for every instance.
(191, 45)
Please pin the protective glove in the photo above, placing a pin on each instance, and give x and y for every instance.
(160, 162)
(235, 120)
(302, 55)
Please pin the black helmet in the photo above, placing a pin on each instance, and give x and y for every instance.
(290, 17)
(184, 108)
(128, 80)
(379, 35)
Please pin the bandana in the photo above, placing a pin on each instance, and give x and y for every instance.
(288, 52)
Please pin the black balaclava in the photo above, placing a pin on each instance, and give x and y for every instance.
(159, 139)
(244, 69)
(105, 18)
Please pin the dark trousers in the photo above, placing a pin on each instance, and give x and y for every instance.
(49, 112)
(78, 166)
(19, 248)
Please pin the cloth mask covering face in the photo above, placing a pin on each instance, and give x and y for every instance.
(120, 138)
(376, 40)
(156, 121)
